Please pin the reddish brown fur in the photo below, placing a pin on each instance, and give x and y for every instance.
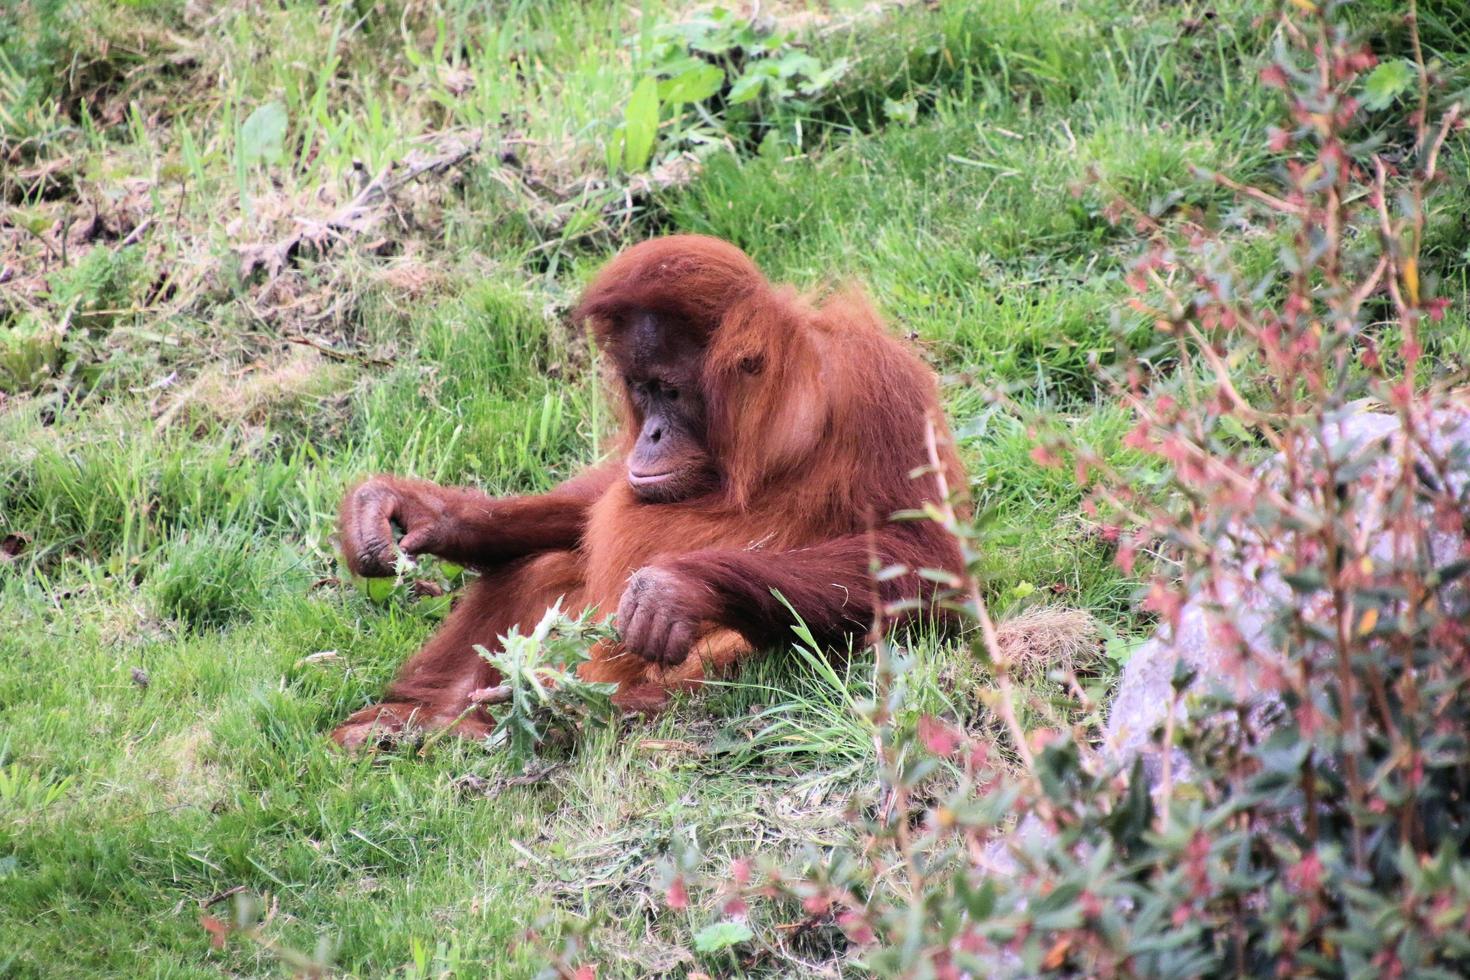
(816, 419)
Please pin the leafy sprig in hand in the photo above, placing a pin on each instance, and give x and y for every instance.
(543, 698)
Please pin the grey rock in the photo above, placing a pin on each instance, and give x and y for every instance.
(1252, 586)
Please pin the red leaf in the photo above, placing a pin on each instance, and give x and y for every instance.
(677, 896)
(856, 927)
(218, 931)
(1273, 76)
(1306, 875)
(937, 737)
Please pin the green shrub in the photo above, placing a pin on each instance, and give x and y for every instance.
(67, 337)
(718, 76)
(100, 283)
(30, 350)
(1291, 799)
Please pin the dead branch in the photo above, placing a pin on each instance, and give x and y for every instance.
(359, 216)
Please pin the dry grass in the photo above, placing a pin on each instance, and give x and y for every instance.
(256, 394)
(1044, 638)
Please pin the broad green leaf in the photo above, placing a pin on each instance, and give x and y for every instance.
(1234, 428)
(798, 63)
(721, 935)
(435, 606)
(694, 85)
(769, 44)
(263, 137)
(640, 122)
(715, 44)
(1306, 580)
(676, 65)
(1450, 572)
(747, 88)
(905, 112)
(1387, 82)
(826, 77)
(379, 590)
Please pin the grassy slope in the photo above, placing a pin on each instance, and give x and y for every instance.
(190, 550)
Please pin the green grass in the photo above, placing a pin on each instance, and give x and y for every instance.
(174, 490)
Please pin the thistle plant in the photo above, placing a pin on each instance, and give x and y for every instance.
(541, 698)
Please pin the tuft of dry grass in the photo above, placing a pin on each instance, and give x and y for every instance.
(1045, 637)
(255, 394)
(410, 278)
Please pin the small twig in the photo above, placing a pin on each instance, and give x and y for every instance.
(1166, 777)
(1000, 662)
(669, 745)
(492, 695)
(1361, 294)
(218, 897)
(359, 215)
(1255, 193)
(436, 736)
(137, 233)
(334, 353)
(1421, 118)
(1431, 163)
